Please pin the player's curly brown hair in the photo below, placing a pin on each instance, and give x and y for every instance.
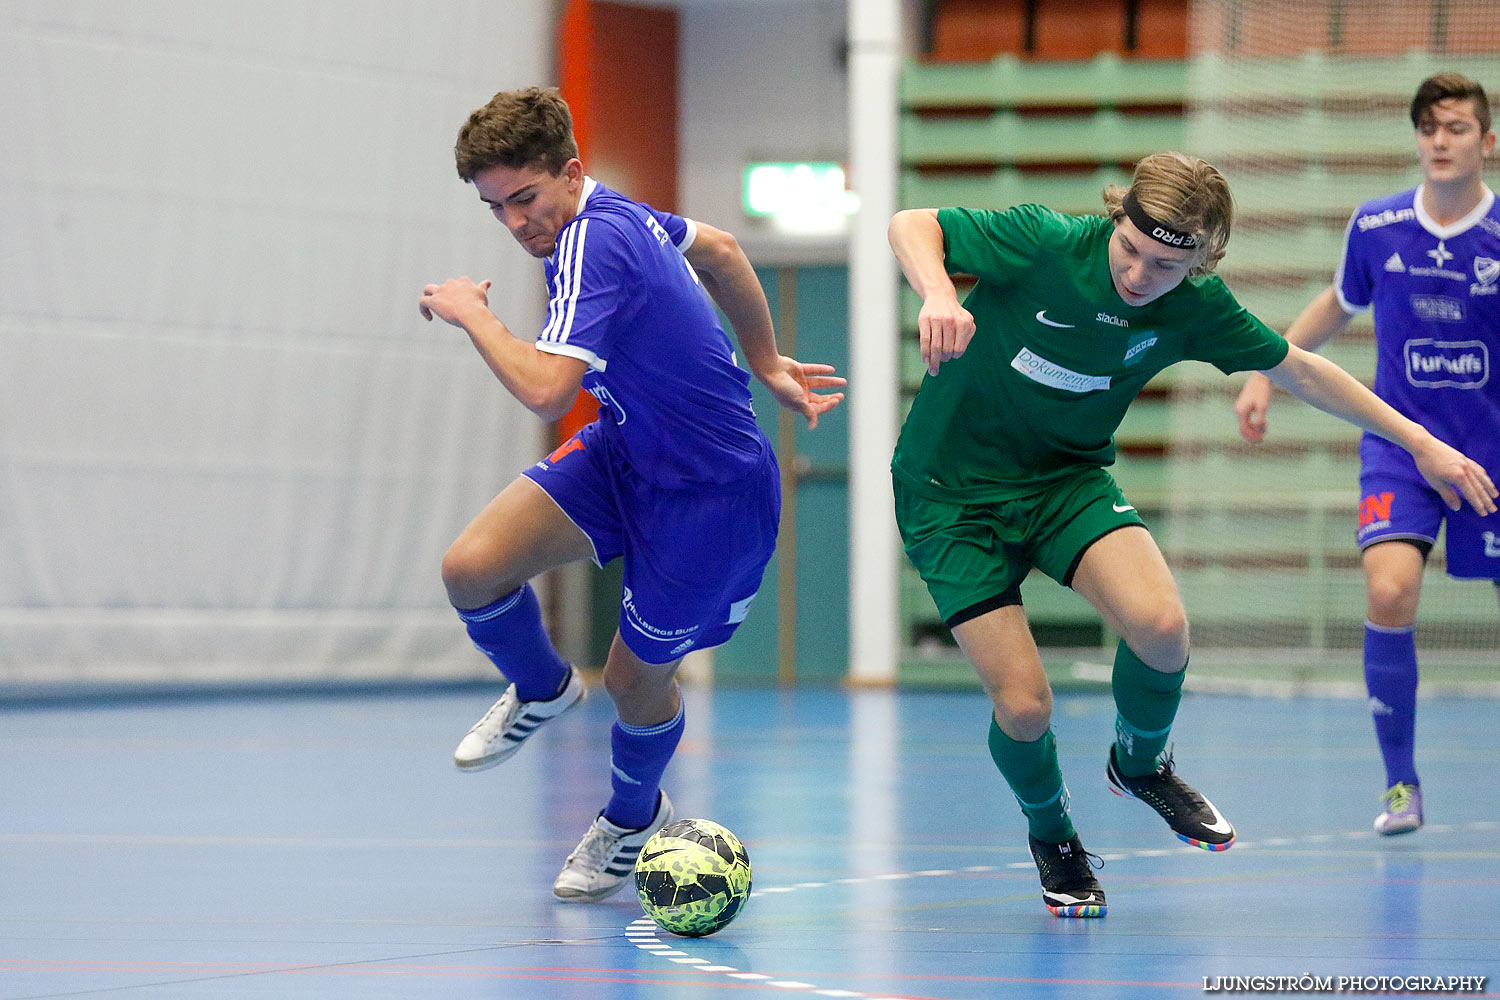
(1185, 193)
(517, 128)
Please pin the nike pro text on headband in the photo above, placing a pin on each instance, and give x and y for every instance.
(1158, 232)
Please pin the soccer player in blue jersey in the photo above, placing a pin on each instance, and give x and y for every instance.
(1427, 261)
(674, 476)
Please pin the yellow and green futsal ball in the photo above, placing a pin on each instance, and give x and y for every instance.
(693, 877)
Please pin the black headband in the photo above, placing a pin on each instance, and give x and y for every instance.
(1158, 232)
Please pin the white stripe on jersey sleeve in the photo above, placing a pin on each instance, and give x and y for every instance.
(569, 350)
(556, 307)
(688, 236)
(569, 277)
(576, 266)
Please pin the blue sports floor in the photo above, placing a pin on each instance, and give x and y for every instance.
(325, 847)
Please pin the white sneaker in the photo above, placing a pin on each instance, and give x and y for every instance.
(605, 858)
(510, 721)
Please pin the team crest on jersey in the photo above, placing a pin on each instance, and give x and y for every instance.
(1456, 364)
(1491, 545)
(1138, 345)
(1486, 269)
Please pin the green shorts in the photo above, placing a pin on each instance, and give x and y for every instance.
(974, 556)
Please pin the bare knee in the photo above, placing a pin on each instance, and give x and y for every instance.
(1390, 601)
(1160, 638)
(1023, 715)
(471, 576)
(644, 694)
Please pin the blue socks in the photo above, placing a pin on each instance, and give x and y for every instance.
(638, 756)
(1391, 679)
(510, 633)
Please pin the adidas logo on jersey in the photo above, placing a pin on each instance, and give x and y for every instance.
(1394, 263)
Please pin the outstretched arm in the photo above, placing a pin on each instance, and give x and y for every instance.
(1319, 382)
(1322, 320)
(546, 384)
(726, 272)
(944, 327)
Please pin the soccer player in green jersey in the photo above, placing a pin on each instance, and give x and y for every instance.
(1001, 464)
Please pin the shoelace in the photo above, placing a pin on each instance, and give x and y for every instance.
(596, 848)
(1090, 859)
(1398, 797)
(505, 708)
(1167, 765)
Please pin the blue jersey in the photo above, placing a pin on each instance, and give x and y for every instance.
(1435, 291)
(625, 300)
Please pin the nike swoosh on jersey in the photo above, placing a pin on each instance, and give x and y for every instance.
(1121, 510)
(1041, 317)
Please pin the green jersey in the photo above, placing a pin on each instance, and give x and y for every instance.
(1057, 355)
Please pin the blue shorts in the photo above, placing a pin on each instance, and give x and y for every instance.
(1396, 504)
(693, 557)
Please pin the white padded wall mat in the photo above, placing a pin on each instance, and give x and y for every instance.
(230, 449)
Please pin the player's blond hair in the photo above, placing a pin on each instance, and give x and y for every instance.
(517, 128)
(1183, 192)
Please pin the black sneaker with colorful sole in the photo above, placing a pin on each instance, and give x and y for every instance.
(1068, 885)
(1192, 817)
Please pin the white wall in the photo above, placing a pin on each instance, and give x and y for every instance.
(764, 80)
(229, 447)
(759, 80)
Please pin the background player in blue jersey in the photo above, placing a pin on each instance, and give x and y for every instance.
(1428, 261)
(674, 476)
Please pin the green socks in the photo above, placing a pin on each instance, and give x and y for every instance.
(1032, 772)
(1147, 702)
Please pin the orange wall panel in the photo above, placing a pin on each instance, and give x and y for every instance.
(978, 30)
(1079, 29)
(1161, 29)
(617, 68)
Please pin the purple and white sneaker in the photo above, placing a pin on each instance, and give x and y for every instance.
(1403, 810)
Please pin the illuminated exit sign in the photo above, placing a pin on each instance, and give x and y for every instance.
(802, 195)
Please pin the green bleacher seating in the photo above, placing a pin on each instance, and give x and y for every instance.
(1007, 81)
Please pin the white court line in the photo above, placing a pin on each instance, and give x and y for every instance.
(643, 932)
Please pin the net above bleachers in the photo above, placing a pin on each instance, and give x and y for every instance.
(1302, 104)
(1304, 108)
